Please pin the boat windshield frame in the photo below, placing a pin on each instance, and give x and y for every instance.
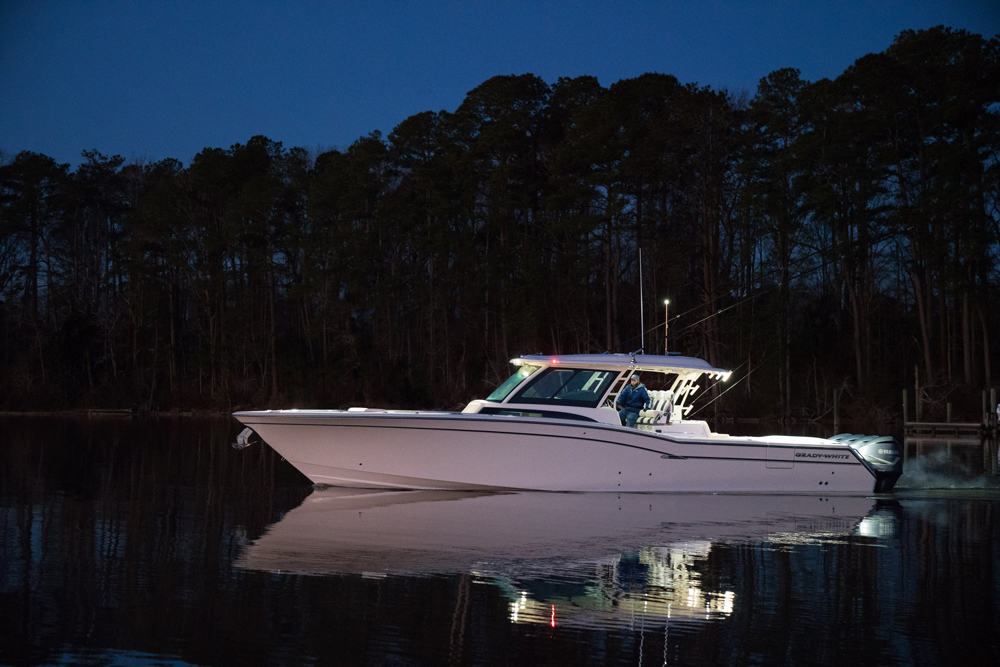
(567, 386)
(513, 382)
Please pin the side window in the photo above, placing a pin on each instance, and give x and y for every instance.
(588, 382)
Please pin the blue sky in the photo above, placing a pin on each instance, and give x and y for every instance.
(150, 80)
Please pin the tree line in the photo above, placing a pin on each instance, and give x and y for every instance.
(837, 234)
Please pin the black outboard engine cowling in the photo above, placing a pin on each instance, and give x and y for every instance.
(882, 455)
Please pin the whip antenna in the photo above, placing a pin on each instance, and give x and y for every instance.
(642, 320)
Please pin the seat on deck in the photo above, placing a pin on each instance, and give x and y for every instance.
(661, 407)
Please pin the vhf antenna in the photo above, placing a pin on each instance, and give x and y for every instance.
(642, 320)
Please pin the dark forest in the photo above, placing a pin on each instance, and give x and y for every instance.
(817, 236)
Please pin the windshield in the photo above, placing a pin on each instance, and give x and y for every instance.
(508, 386)
(567, 386)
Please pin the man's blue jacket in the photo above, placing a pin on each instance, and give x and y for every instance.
(633, 399)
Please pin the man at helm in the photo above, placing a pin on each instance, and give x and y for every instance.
(631, 400)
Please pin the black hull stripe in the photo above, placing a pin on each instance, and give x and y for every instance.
(597, 440)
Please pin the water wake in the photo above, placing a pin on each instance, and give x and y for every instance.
(939, 470)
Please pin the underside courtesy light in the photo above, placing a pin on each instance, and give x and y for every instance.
(726, 376)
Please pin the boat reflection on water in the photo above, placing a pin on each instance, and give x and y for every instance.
(578, 560)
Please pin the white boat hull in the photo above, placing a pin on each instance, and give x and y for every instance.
(479, 452)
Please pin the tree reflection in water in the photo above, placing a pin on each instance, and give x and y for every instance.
(134, 541)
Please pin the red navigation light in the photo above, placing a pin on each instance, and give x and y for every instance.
(553, 621)
(555, 362)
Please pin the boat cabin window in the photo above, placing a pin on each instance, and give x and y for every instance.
(567, 386)
(511, 383)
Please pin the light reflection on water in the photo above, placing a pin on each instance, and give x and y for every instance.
(153, 542)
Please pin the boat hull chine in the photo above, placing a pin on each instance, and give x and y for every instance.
(334, 476)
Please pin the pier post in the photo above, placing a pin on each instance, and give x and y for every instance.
(916, 393)
(905, 411)
(948, 416)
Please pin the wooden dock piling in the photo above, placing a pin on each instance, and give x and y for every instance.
(948, 427)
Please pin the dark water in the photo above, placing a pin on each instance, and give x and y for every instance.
(154, 543)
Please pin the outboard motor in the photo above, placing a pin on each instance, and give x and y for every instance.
(882, 455)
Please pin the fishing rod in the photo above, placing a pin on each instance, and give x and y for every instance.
(733, 385)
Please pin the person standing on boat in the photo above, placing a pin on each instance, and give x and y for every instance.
(631, 400)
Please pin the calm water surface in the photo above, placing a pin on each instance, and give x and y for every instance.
(154, 543)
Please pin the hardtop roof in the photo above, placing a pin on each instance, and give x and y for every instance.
(657, 363)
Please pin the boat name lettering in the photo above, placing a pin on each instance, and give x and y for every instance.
(887, 451)
(807, 455)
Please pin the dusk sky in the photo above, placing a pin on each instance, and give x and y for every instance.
(151, 80)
